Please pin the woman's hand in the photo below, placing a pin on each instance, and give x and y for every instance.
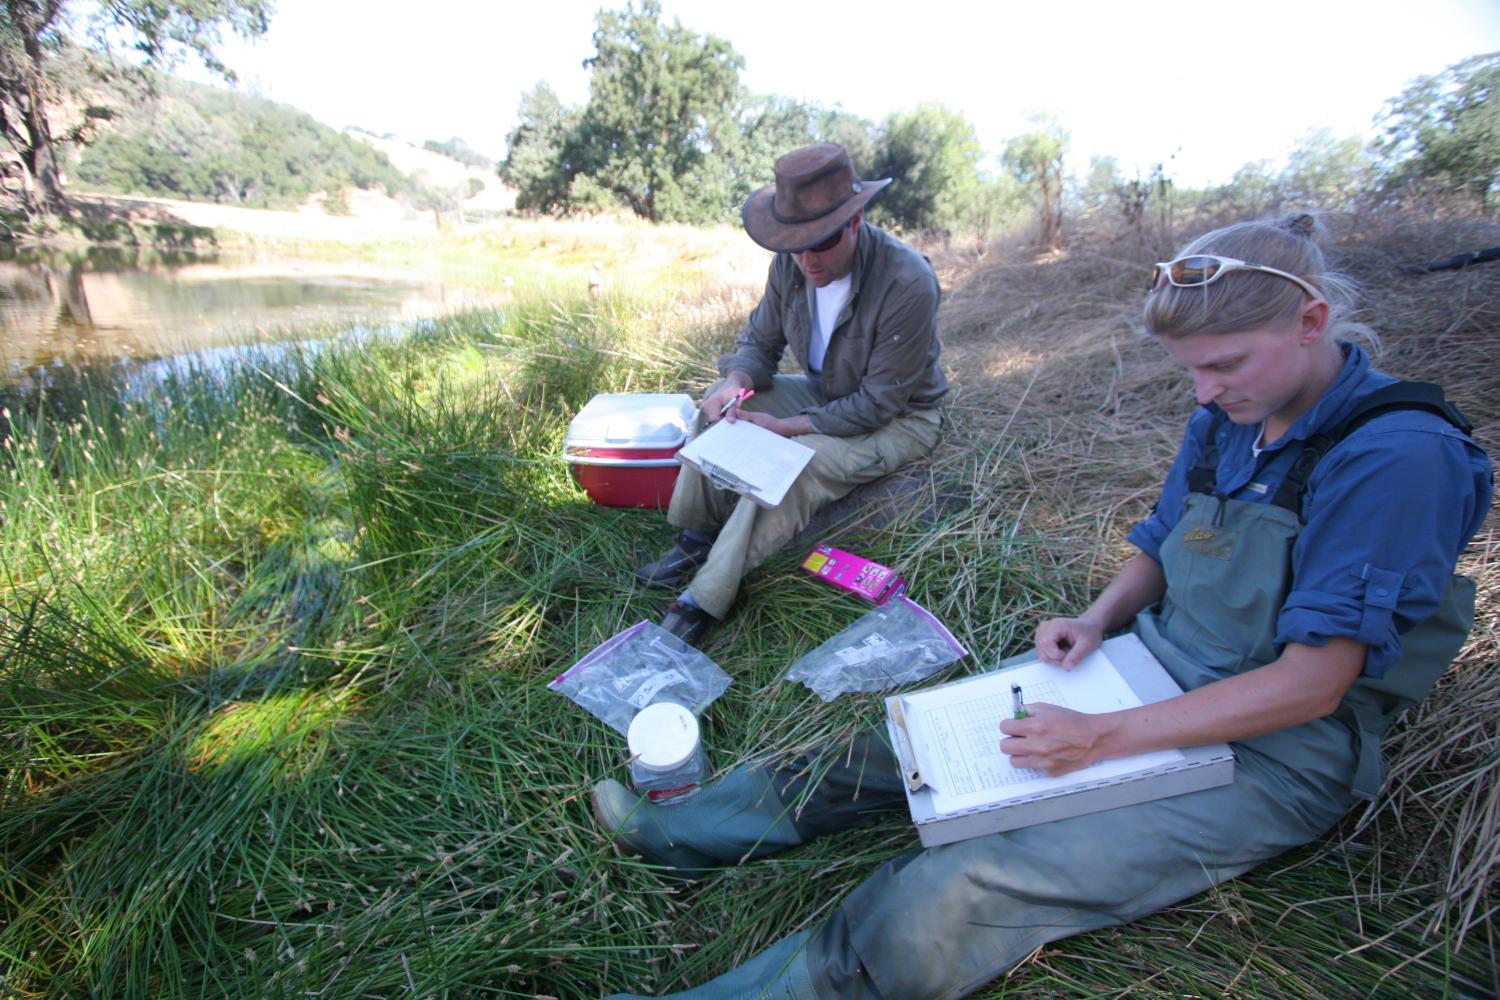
(1064, 642)
(1053, 739)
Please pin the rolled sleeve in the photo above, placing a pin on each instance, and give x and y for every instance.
(1365, 612)
(1387, 514)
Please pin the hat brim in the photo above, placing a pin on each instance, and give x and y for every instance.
(763, 227)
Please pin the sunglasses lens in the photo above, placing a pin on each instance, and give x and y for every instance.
(826, 245)
(1194, 270)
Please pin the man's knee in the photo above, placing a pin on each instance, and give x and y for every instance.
(843, 462)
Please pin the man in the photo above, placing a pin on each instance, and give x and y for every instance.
(858, 309)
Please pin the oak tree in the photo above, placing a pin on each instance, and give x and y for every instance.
(33, 33)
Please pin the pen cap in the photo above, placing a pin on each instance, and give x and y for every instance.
(662, 737)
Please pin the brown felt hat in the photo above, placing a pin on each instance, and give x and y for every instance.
(815, 193)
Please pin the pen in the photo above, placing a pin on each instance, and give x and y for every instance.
(1017, 706)
(739, 398)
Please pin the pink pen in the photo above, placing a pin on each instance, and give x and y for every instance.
(739, 398)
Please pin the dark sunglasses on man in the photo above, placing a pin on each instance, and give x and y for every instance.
(827, 244)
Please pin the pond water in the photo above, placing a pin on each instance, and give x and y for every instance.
(105, 304)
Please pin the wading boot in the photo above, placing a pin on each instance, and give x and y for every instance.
(736, 818)
(778, 973)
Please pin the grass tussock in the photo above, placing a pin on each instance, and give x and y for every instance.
(274, 641)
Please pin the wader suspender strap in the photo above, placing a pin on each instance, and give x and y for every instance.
(1204, 475)
(1396, 396)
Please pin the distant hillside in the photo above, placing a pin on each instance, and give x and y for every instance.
(441, 172)
(206, 143)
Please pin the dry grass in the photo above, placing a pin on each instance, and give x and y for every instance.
(1046, 346)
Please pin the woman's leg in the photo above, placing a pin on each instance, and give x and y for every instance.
(939, 923)
(756, 809)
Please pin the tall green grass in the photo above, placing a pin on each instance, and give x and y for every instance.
(273, 652)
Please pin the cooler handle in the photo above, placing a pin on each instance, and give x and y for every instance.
(634, 463)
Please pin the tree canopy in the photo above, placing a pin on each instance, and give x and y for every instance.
(932, 155)
(660, 114)
(1036, 160)
(659, 135)
(1444, 130)
(670, 134)
(158, 31)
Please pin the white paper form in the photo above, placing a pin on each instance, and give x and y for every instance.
(955, 732)
(748, 459)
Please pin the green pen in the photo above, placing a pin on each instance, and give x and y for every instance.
(1017, 706)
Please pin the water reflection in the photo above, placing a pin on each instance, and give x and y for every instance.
(101, 304)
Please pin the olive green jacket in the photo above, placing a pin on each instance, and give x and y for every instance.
(882, 358)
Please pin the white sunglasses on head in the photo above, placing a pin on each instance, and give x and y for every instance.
(1196, 270)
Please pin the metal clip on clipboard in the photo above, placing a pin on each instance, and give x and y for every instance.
(725, 480)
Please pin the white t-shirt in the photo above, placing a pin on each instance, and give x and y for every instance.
(830, 300)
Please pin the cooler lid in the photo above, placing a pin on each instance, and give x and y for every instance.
(633, 420)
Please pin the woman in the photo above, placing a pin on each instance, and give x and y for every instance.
(1295, 578)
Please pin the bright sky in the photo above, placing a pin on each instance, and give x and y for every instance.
(1204, 87)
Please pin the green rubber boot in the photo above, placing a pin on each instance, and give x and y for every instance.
(778, 973)
(734, 819)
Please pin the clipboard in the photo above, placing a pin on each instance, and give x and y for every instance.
(1190, 769)
(747, 459)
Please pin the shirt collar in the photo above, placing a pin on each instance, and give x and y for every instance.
(1335, 401)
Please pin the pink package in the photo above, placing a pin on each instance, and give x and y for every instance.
(859, 576)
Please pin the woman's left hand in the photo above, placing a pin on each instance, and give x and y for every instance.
(1053, 739)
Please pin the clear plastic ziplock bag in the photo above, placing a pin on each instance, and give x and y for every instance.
(897, 643)
(642, 665)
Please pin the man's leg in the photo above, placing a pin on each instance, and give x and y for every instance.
(752, 534)
(699, 509)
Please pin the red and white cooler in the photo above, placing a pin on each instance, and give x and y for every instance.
(623, 446)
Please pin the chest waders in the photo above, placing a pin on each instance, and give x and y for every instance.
(1228, 565)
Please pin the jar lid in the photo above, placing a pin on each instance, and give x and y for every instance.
(662, 736)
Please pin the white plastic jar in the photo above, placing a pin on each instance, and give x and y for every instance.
(667, 761)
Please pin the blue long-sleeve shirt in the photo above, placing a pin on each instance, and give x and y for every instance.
(1385, 516)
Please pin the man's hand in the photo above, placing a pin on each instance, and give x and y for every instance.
(1053, 739)
(1065, 642)
(785, 426)
(714, 403)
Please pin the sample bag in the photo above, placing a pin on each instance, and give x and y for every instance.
(642, 665)
(897, 643)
